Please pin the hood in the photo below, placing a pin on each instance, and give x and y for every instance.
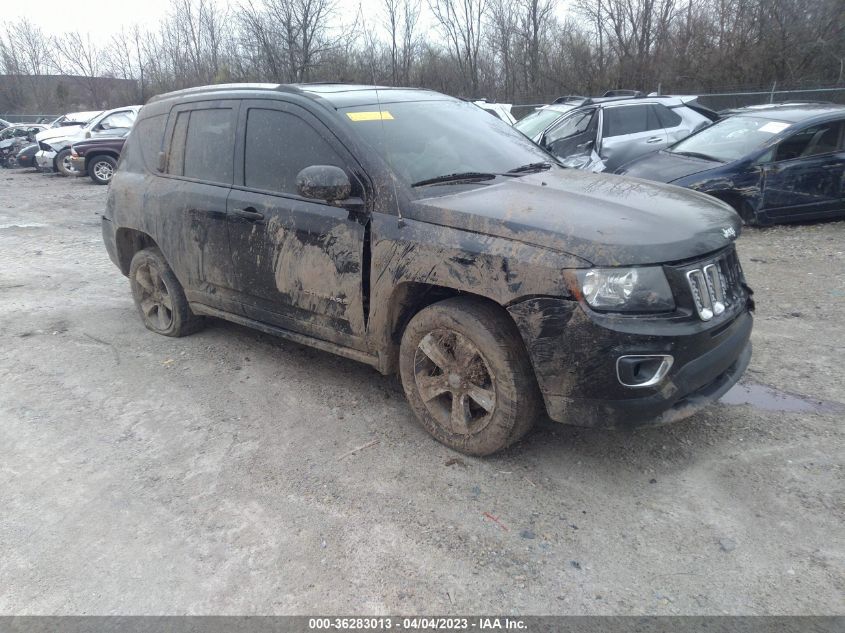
(68, 131)
(665, 166)
(606, 220)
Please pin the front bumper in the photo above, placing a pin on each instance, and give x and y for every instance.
(78, 164)
(574, 353)
(44, 160)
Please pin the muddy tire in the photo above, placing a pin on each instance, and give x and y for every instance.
(467, 376)
(101, 169)
(159, 296)
(63, 164)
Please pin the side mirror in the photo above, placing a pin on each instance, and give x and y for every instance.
(323, 182)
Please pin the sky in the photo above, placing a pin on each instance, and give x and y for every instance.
(88, 16)
(56, 16)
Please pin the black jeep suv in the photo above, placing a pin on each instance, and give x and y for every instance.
(413, 232)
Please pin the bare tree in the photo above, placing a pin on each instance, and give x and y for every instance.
(461, 22)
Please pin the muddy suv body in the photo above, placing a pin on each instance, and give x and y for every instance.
(364, 222)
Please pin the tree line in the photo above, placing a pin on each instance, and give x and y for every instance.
(521, 51)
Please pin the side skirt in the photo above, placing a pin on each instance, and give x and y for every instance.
(302, 339)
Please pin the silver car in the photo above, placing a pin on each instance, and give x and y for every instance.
(602, 134)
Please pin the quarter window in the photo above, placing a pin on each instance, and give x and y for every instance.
(667, 117)
(278, 146)
(621, 120)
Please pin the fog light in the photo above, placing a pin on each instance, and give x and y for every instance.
(643, 370)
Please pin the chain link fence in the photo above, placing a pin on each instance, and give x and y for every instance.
(29, 118)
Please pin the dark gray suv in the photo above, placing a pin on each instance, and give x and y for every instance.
(416, 233)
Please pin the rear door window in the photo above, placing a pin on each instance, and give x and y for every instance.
(631, 119)
(202, 145)
(278, 146)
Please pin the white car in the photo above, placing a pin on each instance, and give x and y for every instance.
(54, 144)
(499, 110)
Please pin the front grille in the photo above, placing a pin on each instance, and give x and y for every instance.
(715, 284)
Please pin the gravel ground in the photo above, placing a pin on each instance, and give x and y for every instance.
(206, 475)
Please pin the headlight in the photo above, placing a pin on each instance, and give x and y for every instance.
(626, 289)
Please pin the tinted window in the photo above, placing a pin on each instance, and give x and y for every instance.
(817, 139)
(202, 145)
(667, 117)
(278, 146)
(148, 134)
(632, 119)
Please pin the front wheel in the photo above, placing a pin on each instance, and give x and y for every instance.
(64, 164)
(101, 169)
(467, 376)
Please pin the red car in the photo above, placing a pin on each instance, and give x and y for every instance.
(98, 156)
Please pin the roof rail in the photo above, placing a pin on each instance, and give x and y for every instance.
(568, 98)
(623, 92)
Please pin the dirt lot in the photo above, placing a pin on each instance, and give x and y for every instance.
(141, 475)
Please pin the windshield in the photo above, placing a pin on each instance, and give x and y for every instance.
(421, 140)
(537, 122)
(730, 139)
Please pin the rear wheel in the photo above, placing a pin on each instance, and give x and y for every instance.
(101, 169)
(467, 376)
(159, 296)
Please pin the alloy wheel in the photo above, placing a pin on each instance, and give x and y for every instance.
(103, 170)
(155, 301)
(454, 382)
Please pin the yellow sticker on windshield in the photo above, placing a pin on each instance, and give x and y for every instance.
(370, 116)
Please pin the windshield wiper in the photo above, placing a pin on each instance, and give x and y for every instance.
(524, 169)
(697, 155)
(455, 178)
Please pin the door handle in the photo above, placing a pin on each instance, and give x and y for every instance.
(249, 214)
(654, 139)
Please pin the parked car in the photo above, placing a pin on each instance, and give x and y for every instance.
(74, 119)
(778, 164)
(413, 232)
(766, 106)
(98, 156)
(66, 125)
(26, 156)
(533, 125)
(602, 134)
(55, 144)
(13, 139)
(498, 110)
